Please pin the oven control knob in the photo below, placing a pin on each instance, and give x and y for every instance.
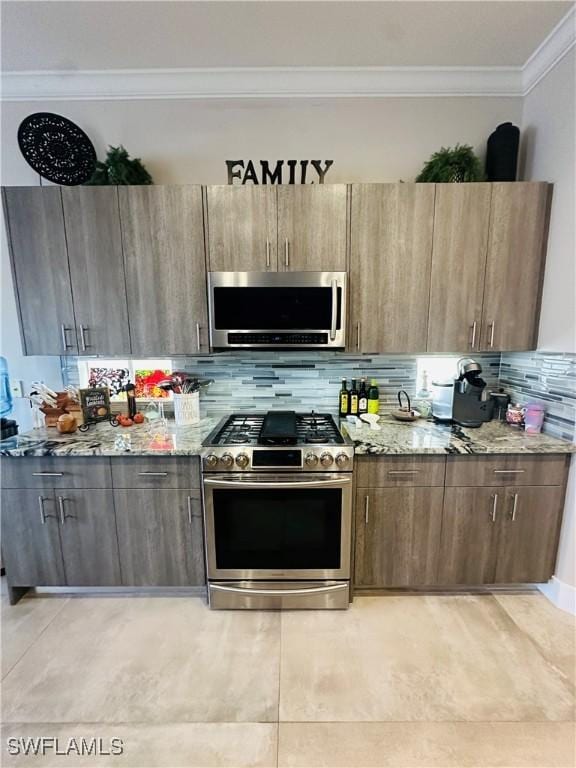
(326, 459)
(242, 460)
(342, 459)
(227, 460)
(311, 459)
(211, 461)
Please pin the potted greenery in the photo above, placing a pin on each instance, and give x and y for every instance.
(118, 168)
(459, 164)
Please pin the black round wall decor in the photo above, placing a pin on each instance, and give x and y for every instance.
(56, 148)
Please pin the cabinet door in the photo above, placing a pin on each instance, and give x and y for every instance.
(94, 242)
(515, 265)
(397, 536)
(530, 527)
(30, 539)
(470, 527)
(35, 224)
(461, 217)
(312, 227)
(163, 237)
(160, 537)
(241, 228)
(390, 258)
(89, 540)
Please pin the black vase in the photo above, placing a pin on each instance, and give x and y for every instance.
(502, 153)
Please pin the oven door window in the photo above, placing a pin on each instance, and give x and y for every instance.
(275, 308)
(277, 529)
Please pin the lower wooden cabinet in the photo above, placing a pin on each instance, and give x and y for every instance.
(160, 537)
(500, 535)
(397, 536)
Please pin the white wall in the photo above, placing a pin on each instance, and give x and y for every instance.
(549, 132)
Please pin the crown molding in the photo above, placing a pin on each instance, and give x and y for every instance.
(293, 82)
(261, 82)
(550, 51)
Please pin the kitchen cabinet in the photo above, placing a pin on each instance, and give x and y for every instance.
(163, 240)
(241, 228)
(391, 231)
(92, 223)
(515, 265)
(460, 241)
(160, 537)
(397, 536)
(37, 240)
(312, 227)
(31, 550)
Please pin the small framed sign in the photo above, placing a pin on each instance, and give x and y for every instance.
(95, 404)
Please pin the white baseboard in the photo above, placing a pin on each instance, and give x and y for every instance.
(562, 594)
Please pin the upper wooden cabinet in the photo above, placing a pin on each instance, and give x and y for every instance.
(92, 223)
(312, 228)
(35, 228)
(515, 265)
(461, 219)
(241, 228)
(390, 260)
(162, 234)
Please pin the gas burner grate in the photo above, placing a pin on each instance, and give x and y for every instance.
(311, 428)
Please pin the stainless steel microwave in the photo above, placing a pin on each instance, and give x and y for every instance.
(280, 310)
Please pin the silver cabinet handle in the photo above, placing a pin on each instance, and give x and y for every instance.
(153, 474)
(278, 592)
(190, 513)
(514, 508)
(43, 514)
(366, 509)
(358, 336)
(334, 317)
(473, 339)
(64, 330)
(403, 471)
(509, 471)
(198, 336)
(84, 345)
(63, 515)
(494, 507)
(286, 253)
(491, 335)
(47, 474)
(267, 253)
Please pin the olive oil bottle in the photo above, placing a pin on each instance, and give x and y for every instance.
(362, 398)
(373, 397)
(353, 399)
(344, 399)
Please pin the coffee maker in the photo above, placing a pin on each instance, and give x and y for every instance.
(471, 403)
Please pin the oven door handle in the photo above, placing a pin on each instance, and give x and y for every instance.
(258, 485)
(279, 592)
(334, 310)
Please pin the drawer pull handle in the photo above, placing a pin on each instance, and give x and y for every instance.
(403, 471)
(494, 507)
(153, 474)
(47, 474)
(514, 508)
(366, 509)
(509, 471)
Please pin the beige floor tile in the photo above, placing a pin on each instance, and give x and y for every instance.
(553, 630)
(181, 745)
(23, 623)
(412, 658)
(426, 745)
(151, 659)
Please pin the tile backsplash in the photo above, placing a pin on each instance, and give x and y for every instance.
(545, 377)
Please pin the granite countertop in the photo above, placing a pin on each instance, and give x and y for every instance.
(427, 437)
(105, 440)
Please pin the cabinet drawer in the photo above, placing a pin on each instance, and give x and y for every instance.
(56, 472)
(506, 470)
(152, 472)
(399, 471)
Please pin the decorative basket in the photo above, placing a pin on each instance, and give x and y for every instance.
(187, 409)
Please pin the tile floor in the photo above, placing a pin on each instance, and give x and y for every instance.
(399, 681)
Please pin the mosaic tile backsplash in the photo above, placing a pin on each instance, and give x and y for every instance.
(545, 377)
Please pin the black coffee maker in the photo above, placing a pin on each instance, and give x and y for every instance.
(472, 405)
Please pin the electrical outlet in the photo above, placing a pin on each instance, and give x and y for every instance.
(16, 388)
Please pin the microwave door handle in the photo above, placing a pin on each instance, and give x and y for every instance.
(334, 310)
(258, 485)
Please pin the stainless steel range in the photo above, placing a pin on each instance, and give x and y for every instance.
(278, 511)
